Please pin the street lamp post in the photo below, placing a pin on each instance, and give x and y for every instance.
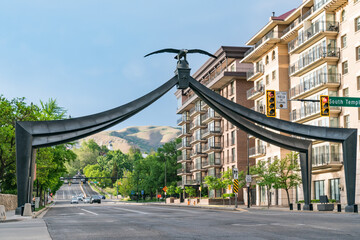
(165, 177)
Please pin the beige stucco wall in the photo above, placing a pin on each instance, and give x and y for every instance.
(9, 201)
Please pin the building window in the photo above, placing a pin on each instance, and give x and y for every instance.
(358, 53)
(345, 92)
(345, 69)
(228, 157)
(343, 15)
(267, 59)
(273, 55)
(319, 188)
(232, 137)
(358, 82)
(357, 24)
(273, 76)
(267, 79)
(233, 155)
(335, 189)
(343, 41)
(232, 88)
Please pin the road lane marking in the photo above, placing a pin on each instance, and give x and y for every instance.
(168, 208)
(135, 211)
(89, 211)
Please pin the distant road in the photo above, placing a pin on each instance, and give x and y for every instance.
(66, 192)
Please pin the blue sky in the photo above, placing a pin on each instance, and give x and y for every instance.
(89, 54)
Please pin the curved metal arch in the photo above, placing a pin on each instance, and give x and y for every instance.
(299, 145)
(348, 137)
(30, 135)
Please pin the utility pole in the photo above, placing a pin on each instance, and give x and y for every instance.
(165, 177)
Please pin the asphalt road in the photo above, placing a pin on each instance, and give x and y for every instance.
(137, 221)
(67, 191)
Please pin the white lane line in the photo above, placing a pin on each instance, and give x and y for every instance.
(173, 209)
(89, 211)
(135, 211)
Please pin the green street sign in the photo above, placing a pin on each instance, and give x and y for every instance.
(344, 102)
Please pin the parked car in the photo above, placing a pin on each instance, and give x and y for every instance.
(88, 200)
(96, 199)
(74, 200)
(102, 196)
(80, 198)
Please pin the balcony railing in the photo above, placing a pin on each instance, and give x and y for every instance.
(183, 170)
(310, 32)
(314, 82)
(197, 152)
(326, 159)
(196, 124)
(183, 158)
(313, 56)
(308, 110)
(212, 146)
(254, 91)
(209, 115)
(258, 69)
(269, 35)
(195, 138)
(259, 150)
(209, 131)
(196, 166)
(183, 144)
(183, 118)
(212, 162)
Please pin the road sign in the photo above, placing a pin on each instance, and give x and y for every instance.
(229, 187)
(281, 100)
(165, 188)
(142, 192)
(248, 178)
(236, 186)
(344, 102)
(236, 173)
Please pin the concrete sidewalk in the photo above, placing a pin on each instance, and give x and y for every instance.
(19, 227)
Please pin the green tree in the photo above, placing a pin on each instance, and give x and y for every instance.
(213, 183)
(287, 173)
(10, 112)
(126, 186)
(265, 176)
(190, 191)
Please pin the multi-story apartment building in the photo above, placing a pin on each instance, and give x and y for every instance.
(209, 143)
(310, 51)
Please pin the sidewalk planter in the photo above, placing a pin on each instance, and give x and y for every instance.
(170, 200)
(217, 201)
(325, 207)
(177, 201)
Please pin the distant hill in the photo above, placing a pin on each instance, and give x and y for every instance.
(146, 138)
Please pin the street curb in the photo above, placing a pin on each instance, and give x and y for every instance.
(36, 214)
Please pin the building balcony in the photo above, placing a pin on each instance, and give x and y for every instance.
(189, 182)
(262, 46)
(196, 125)
(210, 163)
(184, 158)
(183, 120)
(315, 84)
(183, 145)
(255, 73)
(258, 151)
(196, 110)
(255, 92)
(196, 139)
(332, 6)
(311, 112)
(313, 34)
(184, 171)
(185, 133)
(326, 162)
(197, 153)
(214, 131)
(210, 116)
(197, 167)
(313, 60)
(212, 147)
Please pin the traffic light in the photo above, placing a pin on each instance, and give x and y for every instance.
(270, 103)
(324, 106)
